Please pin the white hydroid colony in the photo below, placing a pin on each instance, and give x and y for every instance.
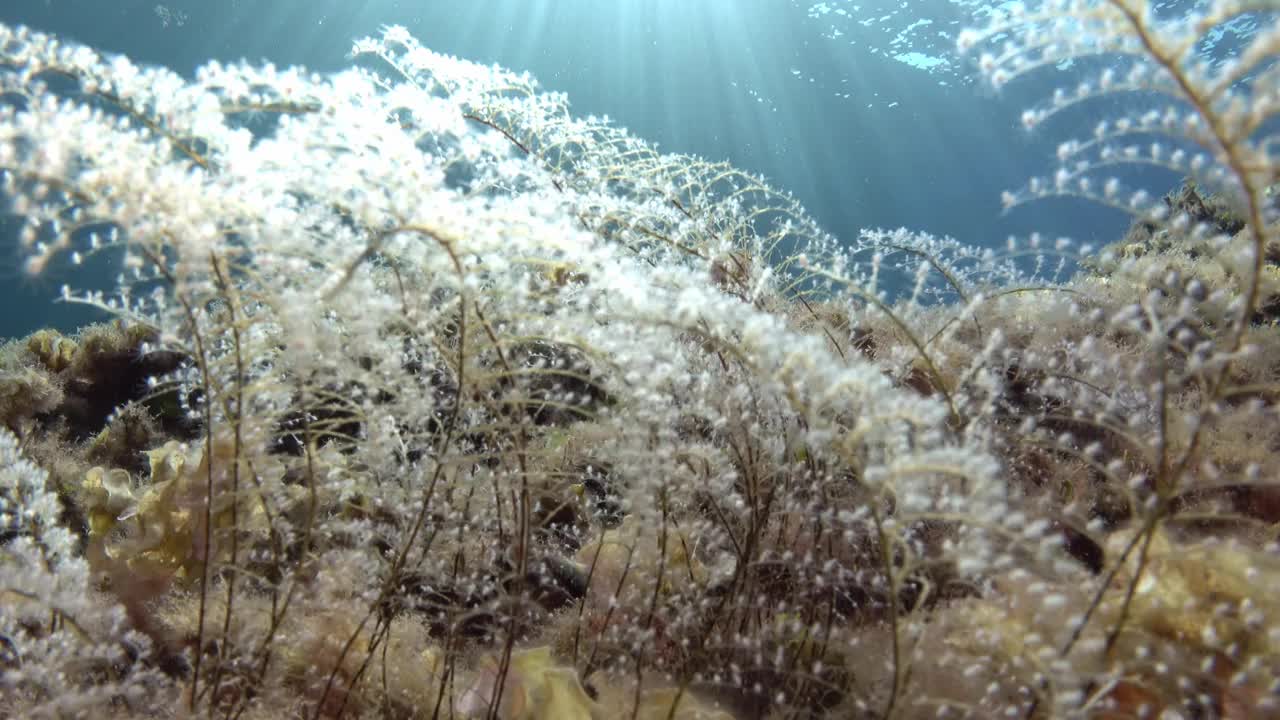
(469, 407)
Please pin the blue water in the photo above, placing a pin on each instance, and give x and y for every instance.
(861, 109)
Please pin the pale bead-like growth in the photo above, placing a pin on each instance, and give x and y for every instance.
(491, 410)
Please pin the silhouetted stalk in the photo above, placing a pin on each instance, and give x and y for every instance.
(227, 293)
(393, 576)
(891, 579)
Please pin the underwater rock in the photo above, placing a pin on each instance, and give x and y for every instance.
(123, 443)
(74, 386)
(108, 370)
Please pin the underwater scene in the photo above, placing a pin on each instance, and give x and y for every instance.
(640, 359)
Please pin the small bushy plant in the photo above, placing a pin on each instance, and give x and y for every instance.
(449, 403)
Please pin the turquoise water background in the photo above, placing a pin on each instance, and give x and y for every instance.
(861, 109)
